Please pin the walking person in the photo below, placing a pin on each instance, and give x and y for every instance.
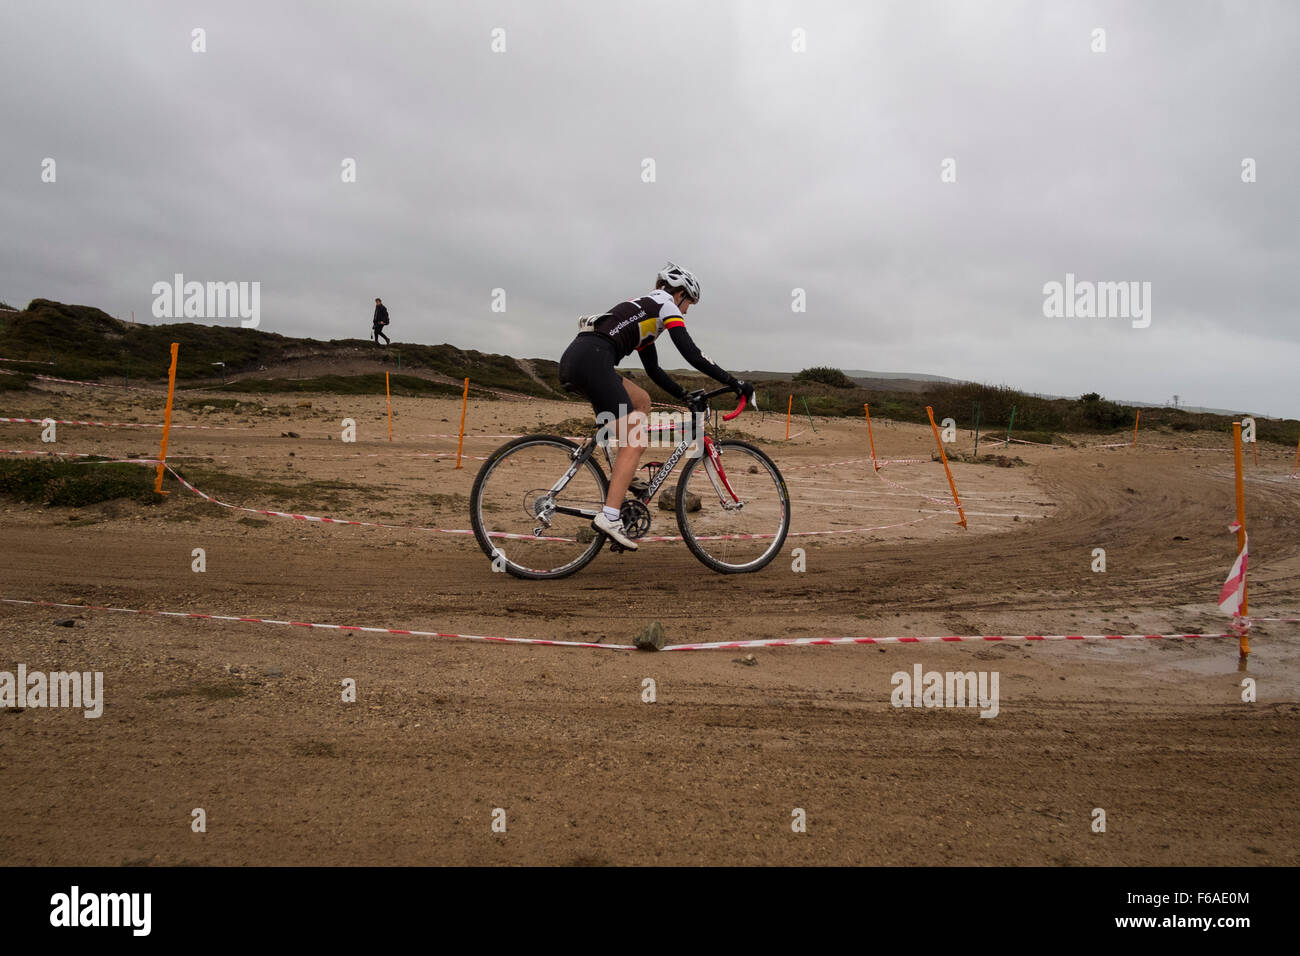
(381, 320)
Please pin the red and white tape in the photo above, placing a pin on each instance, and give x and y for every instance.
(827, 464)
(60, 421)
(950, 639)
(793, 534)
(73, 381)
(245, 619)
(48, 454)
(704, 646)
(919, 494)
(361, 524)
(658, 539)
(517, 537)
(467, 436)
(854, 461)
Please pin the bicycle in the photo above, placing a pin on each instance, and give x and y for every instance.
(539, 532)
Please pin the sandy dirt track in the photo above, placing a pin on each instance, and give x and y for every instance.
(246, 720)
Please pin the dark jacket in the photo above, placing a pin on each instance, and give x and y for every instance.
(381, 314)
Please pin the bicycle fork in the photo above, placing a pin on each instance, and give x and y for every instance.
(713, 468)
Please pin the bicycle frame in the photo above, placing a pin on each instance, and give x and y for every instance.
(713, 468)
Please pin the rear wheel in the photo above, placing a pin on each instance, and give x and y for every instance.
(514, 513)
(744, 508)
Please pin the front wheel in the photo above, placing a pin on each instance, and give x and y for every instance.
(744, 508)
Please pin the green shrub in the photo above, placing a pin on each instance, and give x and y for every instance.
(825, 375)
(56, 483)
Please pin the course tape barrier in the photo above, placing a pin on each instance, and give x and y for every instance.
(73, 381)
(706, 646)
(266, 512)
(854, 461)
(245, 619)
(60, 421)
(508, 535)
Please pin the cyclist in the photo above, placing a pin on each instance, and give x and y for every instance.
(588, 366)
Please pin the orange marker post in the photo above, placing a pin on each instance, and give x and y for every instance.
(167, 422)
(1135, 427)
(464, 406)
(788, 410)
(388, 392)
(867, 408)
(944, 457)
(1295, 469)
(1244, 639)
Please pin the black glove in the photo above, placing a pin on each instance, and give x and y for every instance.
(744, 388)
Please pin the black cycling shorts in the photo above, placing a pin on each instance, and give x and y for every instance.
(588, 367)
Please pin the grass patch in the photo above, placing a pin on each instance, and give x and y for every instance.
(301, 496)
(81, 521)
(726, 432)
(56, 483)
(15, 382)
(585, 425)
(1001, 461)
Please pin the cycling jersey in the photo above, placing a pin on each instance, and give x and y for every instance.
(636, 323)
(631, 326)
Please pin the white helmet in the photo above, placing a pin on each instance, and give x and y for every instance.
(678, 278)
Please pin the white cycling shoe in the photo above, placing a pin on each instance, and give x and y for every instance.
(614, 529)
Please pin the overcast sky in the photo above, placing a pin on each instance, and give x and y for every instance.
(774, 170)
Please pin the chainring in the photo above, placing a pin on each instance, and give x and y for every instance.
(636, 518)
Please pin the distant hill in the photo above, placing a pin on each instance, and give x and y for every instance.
(86, 343)
(898, 381)
(912, 376)
(82, 342)
(919, 381)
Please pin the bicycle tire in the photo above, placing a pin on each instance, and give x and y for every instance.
(481, 532)
(779, 535)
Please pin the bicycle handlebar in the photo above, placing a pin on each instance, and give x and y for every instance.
(722, 391)
(739, 408)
